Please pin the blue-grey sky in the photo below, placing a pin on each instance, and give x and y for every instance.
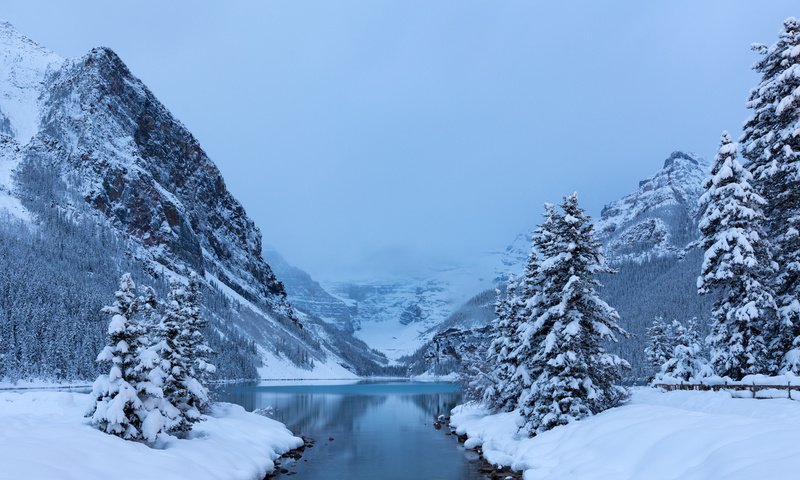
(381, 136)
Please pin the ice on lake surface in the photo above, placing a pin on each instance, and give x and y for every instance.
(379, 429)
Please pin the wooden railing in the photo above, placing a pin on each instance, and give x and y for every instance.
(754, 388)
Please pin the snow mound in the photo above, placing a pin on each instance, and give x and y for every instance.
(44, 435)
(677, 435)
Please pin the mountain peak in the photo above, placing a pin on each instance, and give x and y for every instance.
(679, 155)
(658, 218)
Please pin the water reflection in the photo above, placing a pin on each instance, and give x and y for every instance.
(379, 430)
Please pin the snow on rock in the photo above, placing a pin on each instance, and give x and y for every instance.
(24, 66)
(660, 217)
(44, 435)
(9, 160)
(676, 435)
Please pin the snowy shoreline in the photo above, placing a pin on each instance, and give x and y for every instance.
(684, 434)
(44, 433)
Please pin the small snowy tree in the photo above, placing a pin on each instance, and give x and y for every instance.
(735, 266)
(501, 394)
(130, 401)
(118, 409)
(577, 376)
(771, 143)
(686, 362)
(660, 343)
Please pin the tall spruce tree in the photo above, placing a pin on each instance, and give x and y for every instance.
(736, 267)
(118, 409)
(576, 376)
(771, 144)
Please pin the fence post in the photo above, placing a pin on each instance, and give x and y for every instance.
(789, 389)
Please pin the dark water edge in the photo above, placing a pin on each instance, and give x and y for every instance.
(364, 430)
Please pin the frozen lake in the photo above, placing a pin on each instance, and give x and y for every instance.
(379, 430)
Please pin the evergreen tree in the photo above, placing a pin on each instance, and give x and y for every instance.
(576, 376)
(735, 266)
(772, 146)
(173, 345)
(532, 330)
(200, 364)
(118, 409)
(185, 355)
(660, 344)
(503, 393)
(685, 362)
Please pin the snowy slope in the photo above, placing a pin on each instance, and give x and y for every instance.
(24, 66)
(44, 433)
(676, 435)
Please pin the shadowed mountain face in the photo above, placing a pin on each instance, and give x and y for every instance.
(84, 139)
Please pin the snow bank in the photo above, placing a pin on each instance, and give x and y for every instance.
(430, 377)
(788, 379)
(677, 435)
(43, 435)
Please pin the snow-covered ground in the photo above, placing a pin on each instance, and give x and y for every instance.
(677, 435)
(43, 435)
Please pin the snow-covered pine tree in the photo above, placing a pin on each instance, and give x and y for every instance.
(118, 409)
(151, 370)
(686, 362)
(736, 266)
(200, 364)
(185, 354)
(771, 144)
(534, 327)
(173, 345)
(577, 377)
(503, 394)
(660, 343)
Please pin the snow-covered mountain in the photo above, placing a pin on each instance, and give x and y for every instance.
(660, 217)
(85, 140)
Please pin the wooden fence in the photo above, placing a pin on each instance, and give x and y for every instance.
(754, 388)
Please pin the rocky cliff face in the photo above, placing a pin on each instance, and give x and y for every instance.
(138, 166)
(85, 138)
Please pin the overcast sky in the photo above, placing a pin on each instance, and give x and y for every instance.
(383, 137)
